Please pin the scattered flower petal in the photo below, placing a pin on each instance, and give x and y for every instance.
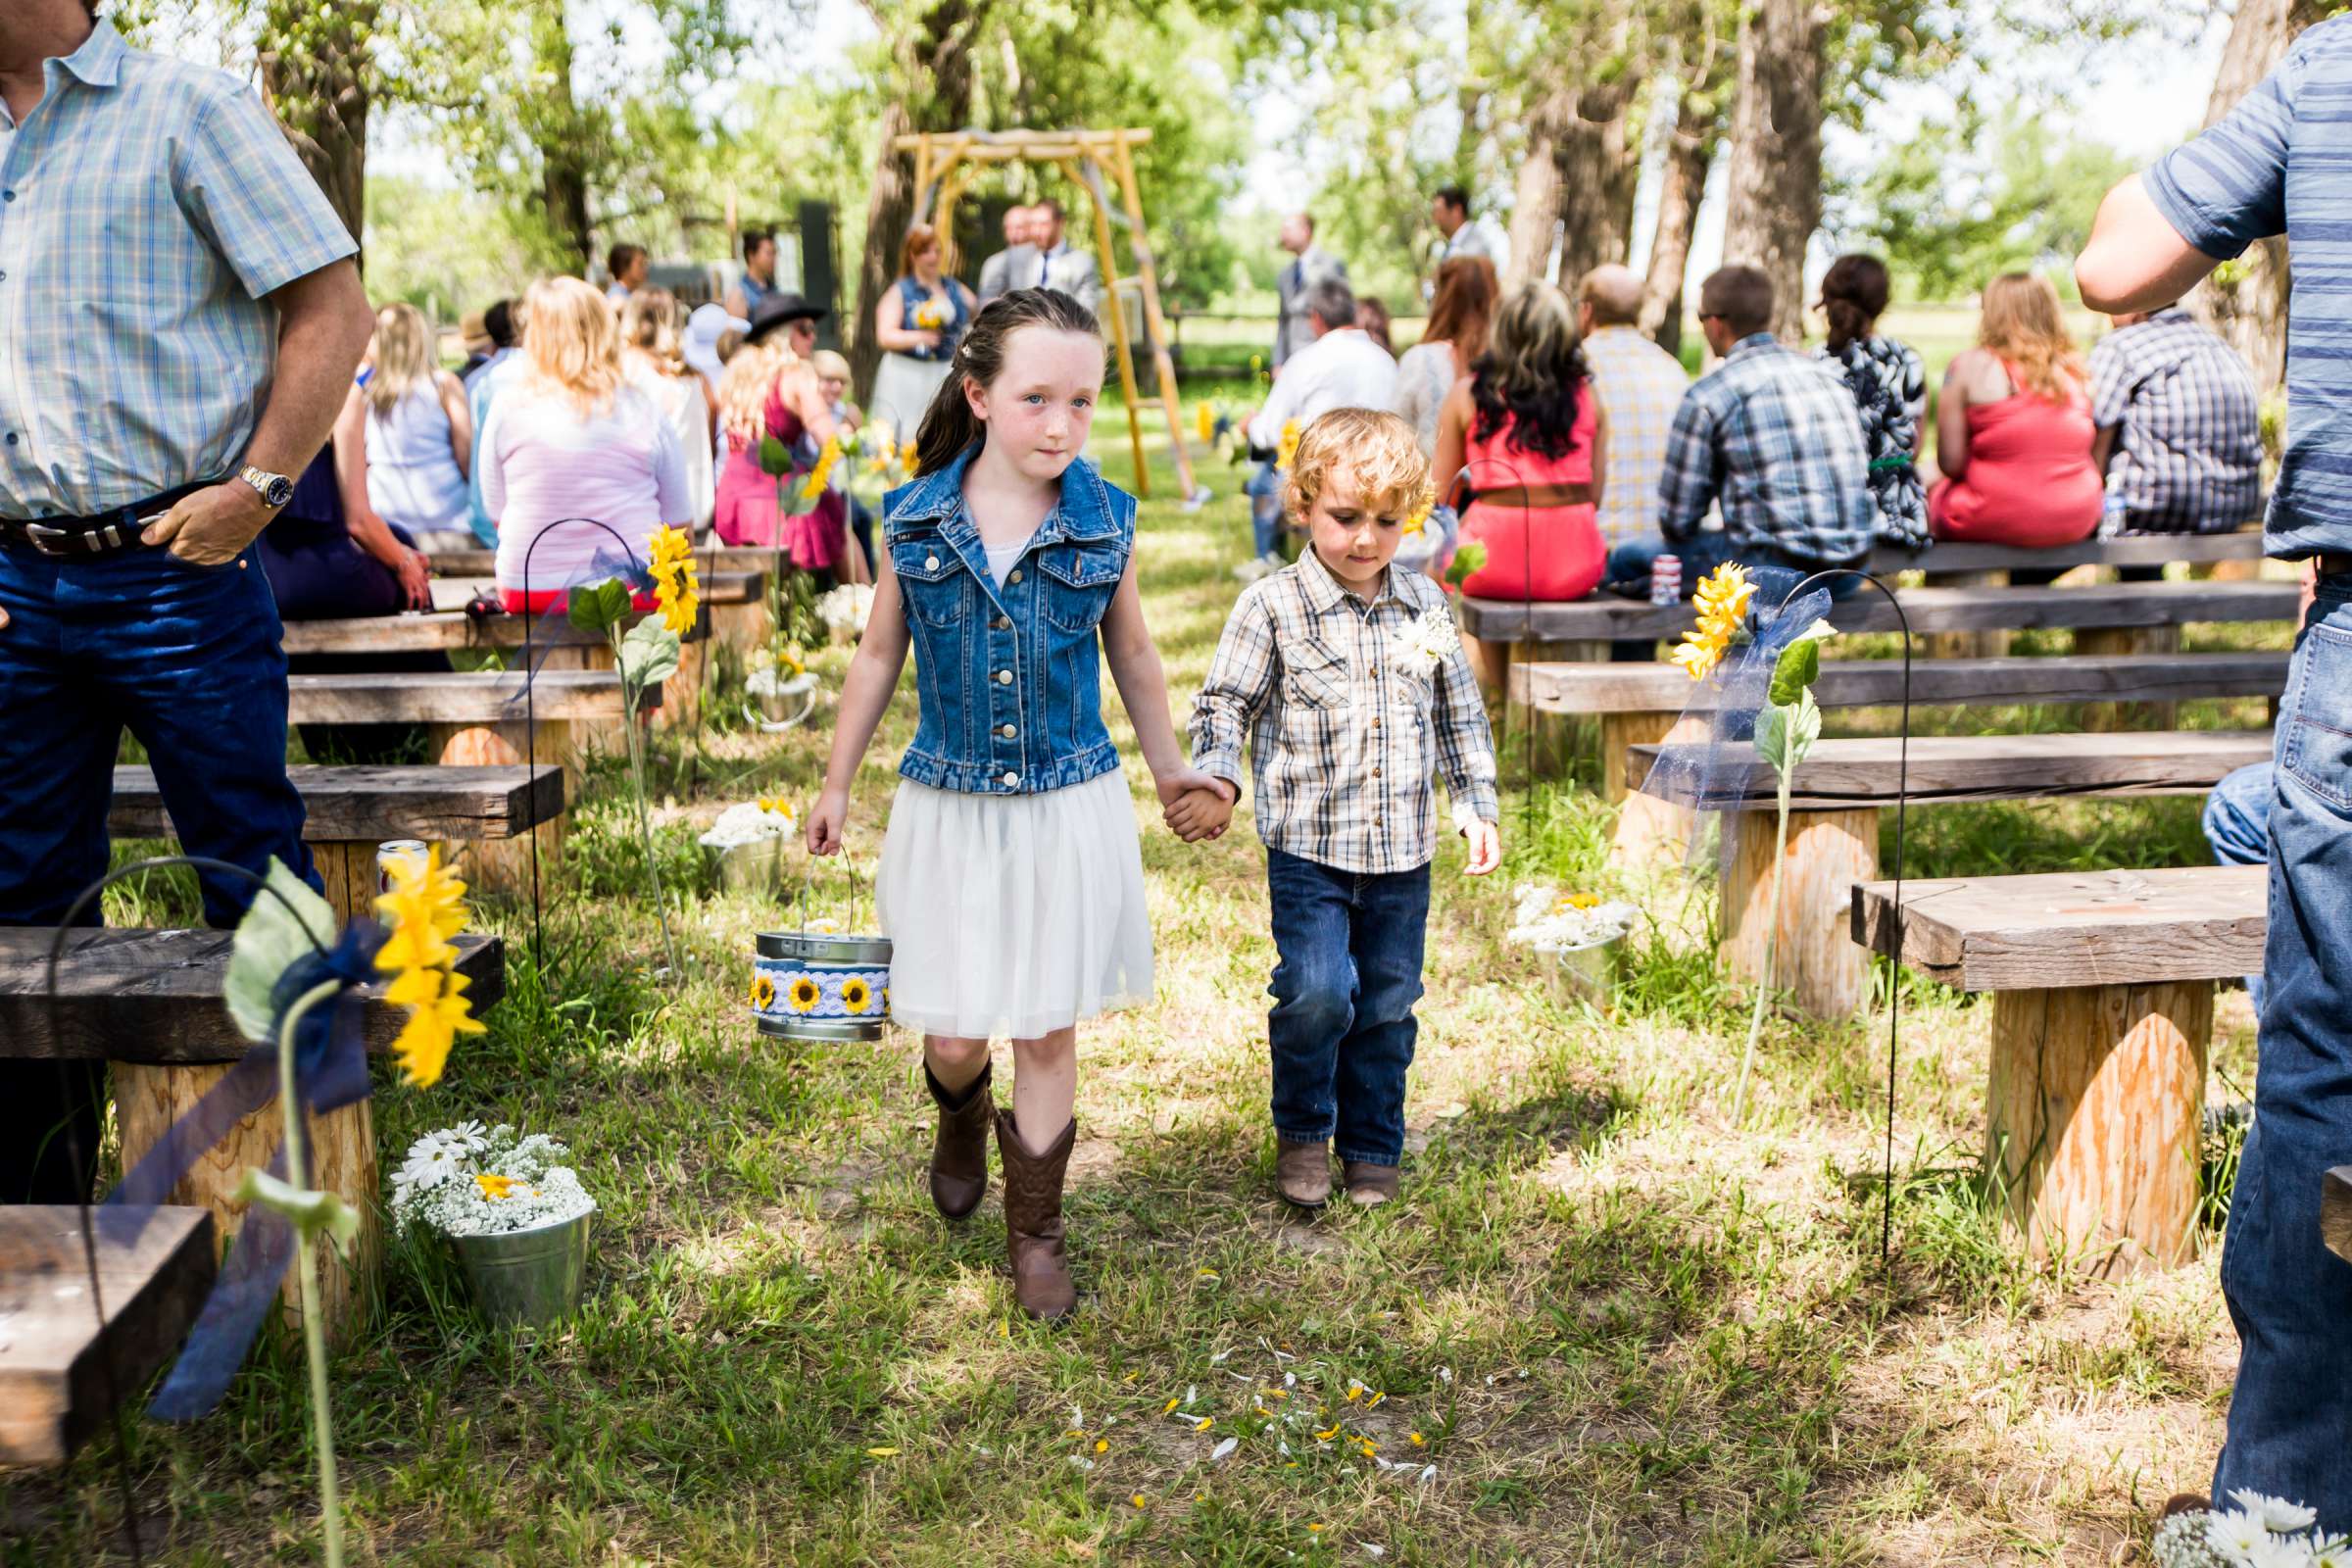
(1223, 1448)
(883, 1453)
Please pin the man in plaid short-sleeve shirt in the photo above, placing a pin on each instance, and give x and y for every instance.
(179, 320)
(2178, 437)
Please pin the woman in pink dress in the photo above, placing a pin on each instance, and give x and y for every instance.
(770, 389)
(2012, 430)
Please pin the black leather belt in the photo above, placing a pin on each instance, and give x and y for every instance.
(101, 533)
(2335, 563)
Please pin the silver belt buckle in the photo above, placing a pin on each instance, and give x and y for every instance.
(55, 542)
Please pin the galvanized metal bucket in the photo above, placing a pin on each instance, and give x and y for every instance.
(753, 867)
(1589, 973)
(533, 1276)
(822, 986)
(787, 708)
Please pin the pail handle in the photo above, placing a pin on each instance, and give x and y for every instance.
(809, 880)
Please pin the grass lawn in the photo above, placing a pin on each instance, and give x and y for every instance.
(1602, 1326)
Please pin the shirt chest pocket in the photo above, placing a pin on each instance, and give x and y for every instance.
(931, 578)
(1314, 674)
(1078, 581)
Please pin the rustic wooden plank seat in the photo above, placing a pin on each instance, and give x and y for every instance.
(2102, 1018)
(148, 1002)
(451, 629)
(58, 1365)
(2145, 549)
(711, 558)
(1839, 791)
(725, 586)
(351, 811)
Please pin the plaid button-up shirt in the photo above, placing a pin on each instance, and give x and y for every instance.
(146, 207)
(1342, 736)
(1640, 385)
(1772, 435)
(2189, 459)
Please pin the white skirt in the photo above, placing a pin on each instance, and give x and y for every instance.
(903, 387)
(1013, 916)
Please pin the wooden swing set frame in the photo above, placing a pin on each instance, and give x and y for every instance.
(944, 161)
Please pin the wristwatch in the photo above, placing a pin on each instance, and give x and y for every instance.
(275, 488)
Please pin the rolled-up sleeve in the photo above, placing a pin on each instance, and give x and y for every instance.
(1239, 679)
(2228, 188)
(1465, 743)
(239, 183)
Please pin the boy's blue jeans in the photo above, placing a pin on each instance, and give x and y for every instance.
(2291, 1421)
(1343, 1028)
(188, 660)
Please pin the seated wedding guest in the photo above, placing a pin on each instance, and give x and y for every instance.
(650, 354)
(410, 417)
(498, 327)
(2013, 431)
(1890, 393)
(2180, 438)
(572, 438)
(474, 333)
(1530, 428)
(770, 388)
(1373, 317)
(833, 385)
(1642, 385)
(1339, 367)
(481, 396)
(920, 319)
(1454, 337)
(1771, 435)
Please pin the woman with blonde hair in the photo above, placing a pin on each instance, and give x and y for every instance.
(1528, 428)
(768, 390)
(570, 438)
(2014, 430)
(918, 324)
(650, 353)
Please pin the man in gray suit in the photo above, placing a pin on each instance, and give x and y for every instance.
(1010, 267)
(1057, 265)
(1309, 265)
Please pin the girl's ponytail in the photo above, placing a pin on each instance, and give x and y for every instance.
(949, 425)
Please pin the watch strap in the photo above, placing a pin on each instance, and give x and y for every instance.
(273, 488)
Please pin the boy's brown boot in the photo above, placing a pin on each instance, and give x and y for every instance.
(1032, 1227)
(960, 1148)
(1302, 1171)
(1368, 1184)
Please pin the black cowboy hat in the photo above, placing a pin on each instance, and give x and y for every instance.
(778, 309)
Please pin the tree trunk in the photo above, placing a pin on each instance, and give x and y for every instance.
(1535, 205)
(1775, 194)
(1690, 154)
(2245, 301)
(934, 93)
(314, 77)
(1600, 168)
(564, 157)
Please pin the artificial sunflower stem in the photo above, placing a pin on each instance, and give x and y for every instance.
(314, 1327)
(631, 690)
(1772, 943)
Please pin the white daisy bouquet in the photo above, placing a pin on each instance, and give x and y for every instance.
(1549, 920)
(844, 611)
(771, 816)
(1421, 643)
(462, 1181)
(2259, 1533)
(774, 671)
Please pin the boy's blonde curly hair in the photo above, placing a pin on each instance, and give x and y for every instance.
(1375, 448)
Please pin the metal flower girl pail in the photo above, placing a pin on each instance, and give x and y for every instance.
(819, 985)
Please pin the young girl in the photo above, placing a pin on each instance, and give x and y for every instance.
(1011, 883)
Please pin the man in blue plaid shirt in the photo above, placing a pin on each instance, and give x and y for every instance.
(1770, 435)
(2178, 437)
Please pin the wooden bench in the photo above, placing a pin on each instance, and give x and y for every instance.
(710, 559)
(59, 1365)
(2102, 1015)
(351, 811)
(2143, 550)
(1843, 786)
(148, 1002)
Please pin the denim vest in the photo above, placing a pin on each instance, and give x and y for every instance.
(912, 297)
(1009, 678)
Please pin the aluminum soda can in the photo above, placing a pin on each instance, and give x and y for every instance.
(393, 849)
(1666, 581)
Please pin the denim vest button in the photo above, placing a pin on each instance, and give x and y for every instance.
(931, 563)
(1004, 623)
(1004, 677)
(1015, 577)
(1011, 779)
(1008, 732)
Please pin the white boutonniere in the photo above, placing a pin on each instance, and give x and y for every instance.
(1422, 643)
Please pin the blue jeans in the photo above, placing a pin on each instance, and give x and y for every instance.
(1628, 570)
(1343, 1028)
(185, 657)
(2290, 1423)
(2237, 824)
(1264, 490)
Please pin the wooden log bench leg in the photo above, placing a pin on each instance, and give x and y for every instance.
(1649, 831)
(1965, 644)
(2094, 1116)
(2109, 717)
(741, 628)
(1545, 739)
(149, 1098)
(1814, 959)
(504, 865)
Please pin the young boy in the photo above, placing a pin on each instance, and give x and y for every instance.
(1352, 686)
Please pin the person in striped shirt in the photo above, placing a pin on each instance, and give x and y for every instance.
(1352, 687)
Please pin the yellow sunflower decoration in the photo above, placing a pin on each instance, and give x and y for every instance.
(1204, 421)
(495, 1186)
(805, 995)
(763, 992)
(857, 995)
(822, 474)
(1290, 445)
(1577, 900)
(1418, 522)
(424, 910)
(1721, 600)
(676, 587)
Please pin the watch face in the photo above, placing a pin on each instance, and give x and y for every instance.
(281, 491)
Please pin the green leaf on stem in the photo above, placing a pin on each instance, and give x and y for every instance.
(775, 457)
(649, 653)
(1795, 671)
(598, 607)
(309, 1212)
(269, 938)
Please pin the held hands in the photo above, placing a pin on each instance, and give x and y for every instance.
(826, 821)
(1197, 805)
(212, 527)
(1486, 847)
